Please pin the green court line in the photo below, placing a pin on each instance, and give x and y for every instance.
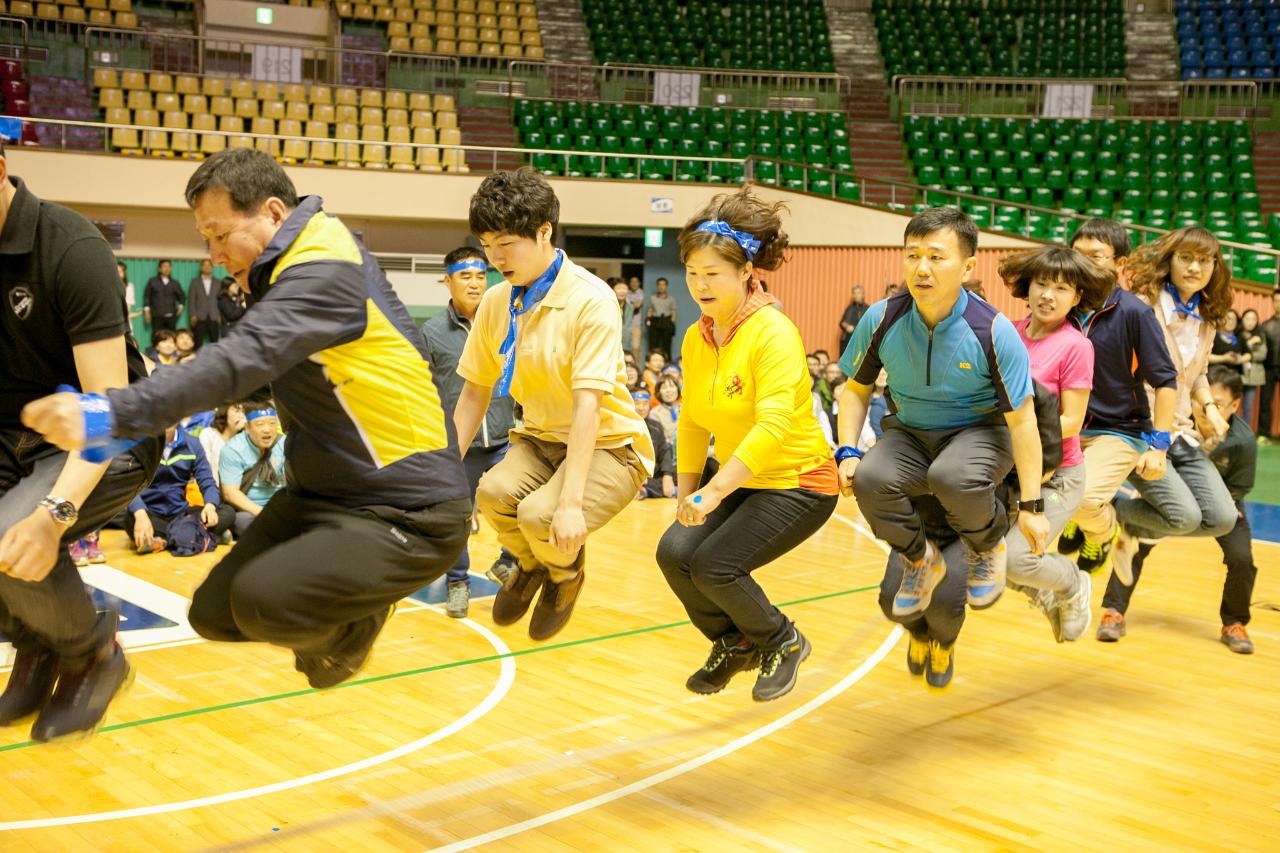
(259, 700)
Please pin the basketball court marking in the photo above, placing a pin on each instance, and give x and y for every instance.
(505, 681)
(705, 758)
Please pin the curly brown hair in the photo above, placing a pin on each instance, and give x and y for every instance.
(1054, 262)
(743, 211)
(1149, 269)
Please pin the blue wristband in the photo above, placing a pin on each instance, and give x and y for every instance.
(844, 452)
(1158, 439)
(99, 444)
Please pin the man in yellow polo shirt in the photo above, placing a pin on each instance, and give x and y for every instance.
(550, 336)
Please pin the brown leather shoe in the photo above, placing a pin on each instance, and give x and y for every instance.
(515, 596)
(555, 606)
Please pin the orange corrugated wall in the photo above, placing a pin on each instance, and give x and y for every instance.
(814, 286)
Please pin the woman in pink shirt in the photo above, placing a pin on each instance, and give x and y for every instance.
(1056, 280)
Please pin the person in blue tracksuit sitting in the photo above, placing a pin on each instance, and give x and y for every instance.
(165, 500)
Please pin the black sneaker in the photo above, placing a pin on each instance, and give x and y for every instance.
(1096, 556)
(346, 659)
(729, 656)
(79, 702)
(779, 667)
(31, 682)
(502, 569)
(1071, 539)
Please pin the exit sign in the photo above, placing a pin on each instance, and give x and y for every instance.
(653, 238)
(265, 15)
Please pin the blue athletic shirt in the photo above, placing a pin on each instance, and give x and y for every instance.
(942, 379)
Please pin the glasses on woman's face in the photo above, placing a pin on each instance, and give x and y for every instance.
(1188, 259)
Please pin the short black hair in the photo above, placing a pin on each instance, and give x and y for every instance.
(661, 279)
(163, 335)
(464, 253)
(1106, 231)
(162, 262)
(249, 177)
(945, 219)
(823, 352)
(1228, 379)
(517, 203)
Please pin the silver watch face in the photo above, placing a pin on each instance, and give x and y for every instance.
(63, 512)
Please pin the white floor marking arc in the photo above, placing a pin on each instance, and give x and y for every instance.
(505, 681)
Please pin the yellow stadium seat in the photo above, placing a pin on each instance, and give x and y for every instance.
(108, 98)
(215, 87)
(399, 135)
(424, 136)
(363, 12)
(384, 13)
(486, 21)
(345, 10)
(268, 146)
(468, 34)
(531, 39)
(105, 78)
(400, 44)
(487, 49)
(272, 109)
(317, 130)
(323, 152)
(268, 91)
(419, 101)
(468, 6)
(212, 143)
(421, 118)
(156, 142)
(146, 118)
(95, 4)
(166, 101)
(422, 45)
(241, 142)
(454, 160)
(443, 103)
(74, 15)
(264, 125)
(119, 115)
(533, 52)
(370, 116)
(48, 11)
(186, 84)
(468, 48)
(447, 46)
(160, 82)
(420, 31)
(247, 107)
(404, 16)
(298, 110)
(401, 159)
(528, 9)
(426, 17)
(508, 22)
(175, 120)
(320, 95)
(139, 99)
(346, 96)
(528, 22)
(395, 100)
(322, 113)
(510, 37)
(291, 127)
(348, 151)
(121, 6)
(486, 7)
(447, 5)
(183, 142)
(371, 98)
(195, 104)
(506, 8)
(373, 133)
(204, 121)
(295, 151)
(130, 80)
(126, 20)
(125, 140)
(446, 31)
(97, 17)
(295, 92)
(231, 124)
(466, 19)
(346, 114)
(511, 51)
(489, 35)
(397, 118)
(241, 88)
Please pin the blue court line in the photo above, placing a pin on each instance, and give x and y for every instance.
(1265, 521)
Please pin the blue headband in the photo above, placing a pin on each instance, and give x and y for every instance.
(749, 244)
(468, 264)
(260, 413)
(640, 395)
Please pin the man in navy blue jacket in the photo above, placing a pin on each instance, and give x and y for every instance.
(165, 500)
(1119, 437)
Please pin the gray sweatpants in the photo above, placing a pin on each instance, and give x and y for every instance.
(1049, 570)
(960, 467)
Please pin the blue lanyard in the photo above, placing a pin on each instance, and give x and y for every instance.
(528, 298)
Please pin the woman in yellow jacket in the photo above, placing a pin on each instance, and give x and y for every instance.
(747, 385)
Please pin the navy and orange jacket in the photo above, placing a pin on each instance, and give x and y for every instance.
(1129, 349)
(348, 369)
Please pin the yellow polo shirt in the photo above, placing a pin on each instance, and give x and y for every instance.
(571, 340)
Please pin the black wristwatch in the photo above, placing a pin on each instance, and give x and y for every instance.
(1036, 506)
(64, 512)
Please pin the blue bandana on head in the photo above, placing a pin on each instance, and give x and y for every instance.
(528, 297)
(750, 245)
(1189, 307)
(468, 264)
(260, 413)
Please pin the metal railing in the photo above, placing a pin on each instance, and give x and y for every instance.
(904, 195)
(1020, 97)
(184, 53)
(643, 84)
(14, 38)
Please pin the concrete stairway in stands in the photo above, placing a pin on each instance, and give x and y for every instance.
(564, 32)
(874, 136)
(490, 126)
(1151, 53)
(1266, 165)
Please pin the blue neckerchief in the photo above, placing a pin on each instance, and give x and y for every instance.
(1083, 317)
(1189, 307)
(528, 297)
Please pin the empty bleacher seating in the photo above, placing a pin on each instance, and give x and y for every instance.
(486, 28)
(1240, 40)
(97, 13)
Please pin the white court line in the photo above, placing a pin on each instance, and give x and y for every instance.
(506, 679)
(706, 757)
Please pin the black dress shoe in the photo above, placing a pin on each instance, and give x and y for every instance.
(80, 700)
(35, 670)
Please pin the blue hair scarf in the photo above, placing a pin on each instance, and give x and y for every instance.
(750, 245)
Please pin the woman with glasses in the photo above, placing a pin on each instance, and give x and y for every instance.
(1184, 277)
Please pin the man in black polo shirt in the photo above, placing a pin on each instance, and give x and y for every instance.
(163, 300)
(63, 321)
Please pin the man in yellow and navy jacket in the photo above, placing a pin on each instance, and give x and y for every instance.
(376, 504)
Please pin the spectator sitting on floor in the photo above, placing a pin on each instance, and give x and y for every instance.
(633, 378)
(663, 482)
(164, 501)
(252, 466)
(228, 421)
(654, 363)
(185, 343)
(164, 348)
(666, 406)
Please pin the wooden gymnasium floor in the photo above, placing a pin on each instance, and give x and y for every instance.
(460, 736)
